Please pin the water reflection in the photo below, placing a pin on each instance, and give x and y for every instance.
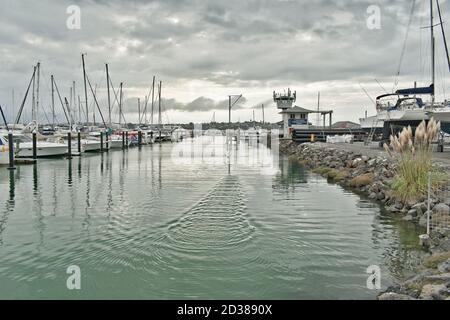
(144, 226)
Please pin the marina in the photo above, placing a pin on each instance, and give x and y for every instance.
(195, 151)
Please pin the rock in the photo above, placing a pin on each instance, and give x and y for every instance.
(365, 158)
(423, 220)
(371, 162)
(372, 195)
(443, 277)
(380, 196)
(356, 162)
(394, 296)
(408, 218)
(398, 205)
(433, 292)
(444, 266)
(445, 245)
(412, 212)
(441, 208)
(418, 277)
(418, 208)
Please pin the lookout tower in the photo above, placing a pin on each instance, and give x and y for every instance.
(285, 100)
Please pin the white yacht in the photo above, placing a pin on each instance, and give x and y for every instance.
(4, 150)
(43, 148)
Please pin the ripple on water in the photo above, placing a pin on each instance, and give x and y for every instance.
(216, 222)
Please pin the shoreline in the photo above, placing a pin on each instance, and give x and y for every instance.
(369, 172)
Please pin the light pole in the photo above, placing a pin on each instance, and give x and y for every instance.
(230, 104)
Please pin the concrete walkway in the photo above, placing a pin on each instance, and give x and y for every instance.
(373, 150)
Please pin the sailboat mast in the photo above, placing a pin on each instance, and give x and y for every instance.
(139, 109)
(153, 99)
(159, 104)
(109, 96)
(433, 60)
(79, 109)
(53, 102)
(37, 90)
(120, 103)
(74, 103)
(85, 90)
(33, 99)
(263, 120)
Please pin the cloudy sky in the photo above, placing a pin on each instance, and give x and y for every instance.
(204, 50)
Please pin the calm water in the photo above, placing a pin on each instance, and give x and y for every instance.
(170, 221)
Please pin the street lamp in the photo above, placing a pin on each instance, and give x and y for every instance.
(230, 105)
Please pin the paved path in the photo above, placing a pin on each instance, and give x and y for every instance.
(373, 150)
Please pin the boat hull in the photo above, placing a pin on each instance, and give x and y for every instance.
(4, 156)
(403, 115)
(43, 149)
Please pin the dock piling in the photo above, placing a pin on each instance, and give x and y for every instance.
(126, 136)
(69, 145)
(139, 137)
(123, 139)
(11, 151)
(34, 145)
(79, 141)
(101, 141)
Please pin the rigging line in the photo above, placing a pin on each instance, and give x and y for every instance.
(146, 103)
(404, 45)
(367, 94)
(443, 33)
(96, 102)
(60, 100)
(19, 114)
(115, 95)
(381, 86)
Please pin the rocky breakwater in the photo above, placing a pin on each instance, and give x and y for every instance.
(372, 174)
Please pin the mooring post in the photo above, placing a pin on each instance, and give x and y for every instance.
(69, 145)
(151, 136)
(139, 137)
(79, 141)
(107, 141)
(123, 139)
(11, 151)
(101, 141)
(126, 141)
(34, 145)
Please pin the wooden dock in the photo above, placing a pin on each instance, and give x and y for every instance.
(320, 135)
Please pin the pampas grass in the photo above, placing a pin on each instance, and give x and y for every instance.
(414, 161)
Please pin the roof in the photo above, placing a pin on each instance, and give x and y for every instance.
(297, 109)
(346, 124)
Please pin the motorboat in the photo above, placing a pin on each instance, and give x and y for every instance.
(24, 147)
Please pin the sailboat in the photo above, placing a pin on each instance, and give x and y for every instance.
(25, 146)
(406, 106)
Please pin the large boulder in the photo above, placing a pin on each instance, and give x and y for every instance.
(394, 296)
(444, 266)
(441, 208)
(434, 292)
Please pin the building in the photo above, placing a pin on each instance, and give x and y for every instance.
(295, 117)
(345, 125)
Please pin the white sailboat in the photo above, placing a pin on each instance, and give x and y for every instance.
(4, 150)
(408, 108)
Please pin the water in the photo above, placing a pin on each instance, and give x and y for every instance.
(168, 222)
